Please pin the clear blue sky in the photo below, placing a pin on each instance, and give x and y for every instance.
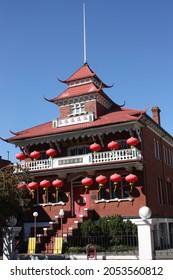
(129, 43)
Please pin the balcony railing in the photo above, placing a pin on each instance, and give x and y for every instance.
(79, 160)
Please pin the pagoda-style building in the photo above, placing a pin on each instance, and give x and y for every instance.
(98, 158)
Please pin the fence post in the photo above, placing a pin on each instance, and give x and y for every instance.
(145, 235)
(9, 234)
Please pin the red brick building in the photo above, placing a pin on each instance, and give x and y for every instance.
(86, 116)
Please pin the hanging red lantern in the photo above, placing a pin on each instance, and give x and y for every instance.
(95, 147)
(58, 184)
(22, 186)
(32, 187)
(51, 153)
(113, 145)
(20, 156)
(87, 182)
(45, 184)
(101, 180)
(115, 178)
(35, 155)
(132, 141)
(131, 179)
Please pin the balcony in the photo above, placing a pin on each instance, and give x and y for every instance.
(80, 160)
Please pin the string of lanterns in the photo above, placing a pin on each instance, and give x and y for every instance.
(36, 154)
(115, 178)
(95, 147)
(87, 182)
(45, 184)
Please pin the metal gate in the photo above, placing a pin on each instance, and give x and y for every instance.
(163, 242)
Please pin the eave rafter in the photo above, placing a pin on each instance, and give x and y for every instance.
(91, 132)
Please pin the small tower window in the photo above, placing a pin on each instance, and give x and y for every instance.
(77, 108)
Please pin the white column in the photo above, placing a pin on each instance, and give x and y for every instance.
(145, 239)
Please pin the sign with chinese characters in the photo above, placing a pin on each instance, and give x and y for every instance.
(76, 119)
(70, 161)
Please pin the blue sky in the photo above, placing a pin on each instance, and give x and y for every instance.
(129, 43)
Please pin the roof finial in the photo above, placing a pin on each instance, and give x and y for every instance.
(84, 27)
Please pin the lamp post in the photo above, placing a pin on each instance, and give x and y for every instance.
(35, 215)
(61, 213)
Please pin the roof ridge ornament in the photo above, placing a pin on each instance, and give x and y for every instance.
(14, 133)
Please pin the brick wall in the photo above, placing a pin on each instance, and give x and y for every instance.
(156, 169)
(64, 112)
(90, 106)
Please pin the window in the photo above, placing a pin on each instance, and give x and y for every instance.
(168, 156)
(78, 150)
(49, 195)
(160, 192)
(156, 148)
(77, 108)
(123, 144)
(121, 191)
(102, 193)
(169, 193)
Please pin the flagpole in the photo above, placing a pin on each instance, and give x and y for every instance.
(84, 27)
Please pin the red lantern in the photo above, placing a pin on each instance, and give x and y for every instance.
(51, 153)
(132, 141)
(45, 184)
(22, 186)
(87, 182)
(35, 155)
(101, 180)
(32, 187)
(131, 179)
(20, 156)
(113, 145)
(95, 147)
(116, 178)
(58, 184)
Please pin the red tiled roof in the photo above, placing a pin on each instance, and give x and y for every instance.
(83, 73)
(76, 91)
(114, 117)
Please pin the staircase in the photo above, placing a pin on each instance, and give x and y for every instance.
(67, 226)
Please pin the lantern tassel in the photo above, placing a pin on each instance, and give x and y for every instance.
(131, 187)
(86, 188)
(32, 193)
(115, 186)
(56, 193)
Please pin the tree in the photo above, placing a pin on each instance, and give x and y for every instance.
(88, 228)
(113, 227)
(13, 201)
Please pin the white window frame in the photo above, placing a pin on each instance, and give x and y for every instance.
(77, 108)
(156, 149)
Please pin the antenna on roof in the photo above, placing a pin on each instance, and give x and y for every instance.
(84, 33)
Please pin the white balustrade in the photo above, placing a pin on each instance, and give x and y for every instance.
(117, 155)
(87, 159)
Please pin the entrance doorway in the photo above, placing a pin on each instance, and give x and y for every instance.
(80, 198)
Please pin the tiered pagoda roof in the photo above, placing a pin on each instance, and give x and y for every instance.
(115, 115)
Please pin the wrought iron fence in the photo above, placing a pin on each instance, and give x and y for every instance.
(122, 243)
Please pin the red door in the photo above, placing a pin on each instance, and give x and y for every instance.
(81, 200)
